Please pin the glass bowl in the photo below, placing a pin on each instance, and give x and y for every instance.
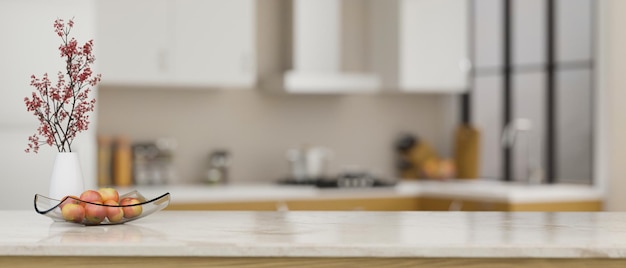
(52, 208)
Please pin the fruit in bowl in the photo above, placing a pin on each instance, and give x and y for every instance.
(72, 199)
(95, 213)
(73, 212)
(91, 196)
(109, 194)
(100, 207)
(131, 209)
(94, 207)
(114, 214)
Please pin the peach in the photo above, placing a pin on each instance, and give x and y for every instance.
(114, 214)
(71, 199)
(109, 194)
(91, 196)
(430, 168)
(73, 212)
(447, 169)
(131, 211)
(95, 214)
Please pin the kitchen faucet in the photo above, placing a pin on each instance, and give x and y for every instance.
(509, 135)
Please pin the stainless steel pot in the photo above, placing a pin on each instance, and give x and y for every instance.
(309, 162)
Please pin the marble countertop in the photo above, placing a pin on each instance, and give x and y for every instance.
(482, 190)
(324, 234)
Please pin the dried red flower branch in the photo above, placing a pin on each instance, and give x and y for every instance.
(62, 109)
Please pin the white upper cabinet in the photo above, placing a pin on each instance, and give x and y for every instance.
(177, 43)
(213, 42)
(324, 46)
(132, 41)
(420, 45)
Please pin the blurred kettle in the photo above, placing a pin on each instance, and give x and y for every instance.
(309, 162)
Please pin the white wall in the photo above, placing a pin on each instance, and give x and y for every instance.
(258, 127)
(611, 137)
(30, 46)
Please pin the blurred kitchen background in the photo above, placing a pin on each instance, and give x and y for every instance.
(237, 92)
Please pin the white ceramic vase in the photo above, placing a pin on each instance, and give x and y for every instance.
(67, 177)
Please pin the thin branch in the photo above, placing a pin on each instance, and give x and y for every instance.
(59, 122)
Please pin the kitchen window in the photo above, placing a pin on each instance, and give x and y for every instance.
(533, 59)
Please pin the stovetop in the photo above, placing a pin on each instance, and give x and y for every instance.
(340, 182)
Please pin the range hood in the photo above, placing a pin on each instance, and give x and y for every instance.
(327, 53)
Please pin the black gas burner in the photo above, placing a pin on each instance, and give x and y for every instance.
(345, 181)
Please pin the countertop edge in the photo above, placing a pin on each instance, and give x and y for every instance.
(188, 194)
(320, 251)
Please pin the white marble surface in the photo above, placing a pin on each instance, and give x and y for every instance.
(325, 234)
(482, 190)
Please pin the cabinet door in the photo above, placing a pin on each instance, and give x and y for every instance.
(133, 41)
(433, 45)
(213, 42)
(366, 204)
(456, 204)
